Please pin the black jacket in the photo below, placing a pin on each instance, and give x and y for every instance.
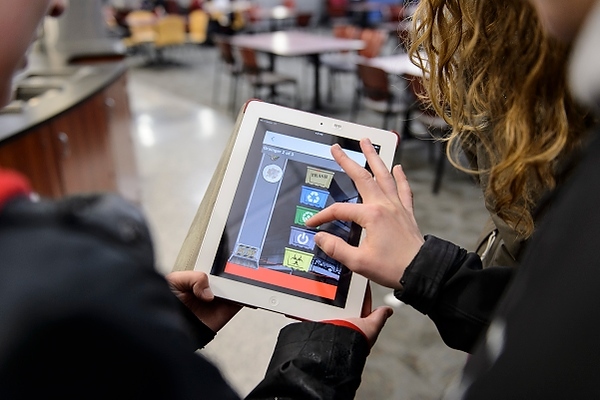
(451, 286)
(543, 341)
(541, 332)
(84, 314)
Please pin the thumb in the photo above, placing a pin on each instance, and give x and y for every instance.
(374, 323)
(336, 248)
(379, 316)
(202, 290)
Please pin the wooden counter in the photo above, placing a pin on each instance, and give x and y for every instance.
(77, 139)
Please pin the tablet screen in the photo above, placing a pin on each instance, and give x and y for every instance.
(288, 176)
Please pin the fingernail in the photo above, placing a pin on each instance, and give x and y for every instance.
(317, 238)
(208, 293)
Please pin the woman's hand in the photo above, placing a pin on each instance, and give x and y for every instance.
(193, 290)
(392, 237)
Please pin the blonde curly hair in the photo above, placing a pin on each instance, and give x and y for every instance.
(500, 82)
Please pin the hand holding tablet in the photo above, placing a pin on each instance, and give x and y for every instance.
(257, 249)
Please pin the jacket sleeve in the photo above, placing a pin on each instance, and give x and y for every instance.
(200, 333)
(314, 360)
(84, 310)
(449, 285)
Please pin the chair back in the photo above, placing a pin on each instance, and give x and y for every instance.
(249, 61)
(375, 82)
(253, 13)
(427, 114)
(198, 25)
(344, 31)
(303, 19)
(225, 51)
(140, 17)
(170, 30)
(141, 25)
(374, 40)
(337, 8)
(238, 20)
(396, 13)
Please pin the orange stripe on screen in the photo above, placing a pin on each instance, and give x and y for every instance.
(283, 280)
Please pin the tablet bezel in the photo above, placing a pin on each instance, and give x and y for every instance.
(265, 298)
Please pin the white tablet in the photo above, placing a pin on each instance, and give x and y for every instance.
(257, 249)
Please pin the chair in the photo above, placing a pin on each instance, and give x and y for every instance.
(303, 20)
(198, 26)
(396, 13)
(254, 22)
(170, 32)
(346, 31)
(436, 126)
(374, 40)
(375, 90)
(238, 21)
(337, 9)
(340, 31)
(227, 62)
(141, 26)
(260, 78)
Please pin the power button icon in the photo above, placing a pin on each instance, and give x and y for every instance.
(274, 301)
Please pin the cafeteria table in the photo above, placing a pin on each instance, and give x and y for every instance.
(396, 64)
(296, 44)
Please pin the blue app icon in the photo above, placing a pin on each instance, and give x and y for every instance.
(313, 197)
(302, 238)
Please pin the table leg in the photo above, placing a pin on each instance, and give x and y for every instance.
(272, 69)
(316, 61)
(271, 62)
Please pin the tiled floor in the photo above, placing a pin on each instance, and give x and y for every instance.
(180, 131)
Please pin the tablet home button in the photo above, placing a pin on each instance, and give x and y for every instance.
(273, 301)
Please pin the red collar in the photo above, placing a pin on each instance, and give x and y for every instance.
(12, 184)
